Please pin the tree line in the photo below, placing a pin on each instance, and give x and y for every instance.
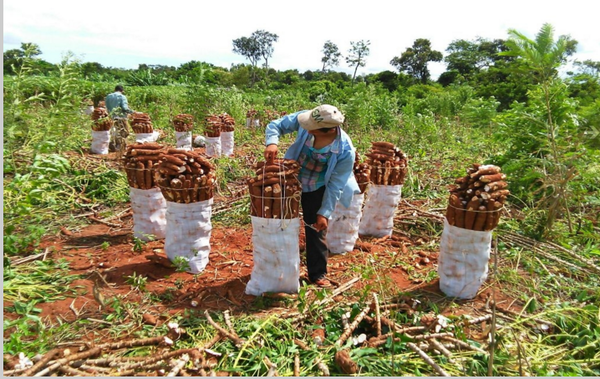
(481, 63)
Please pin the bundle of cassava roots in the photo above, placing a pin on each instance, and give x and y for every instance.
(140, 160)
(141, 123)
(227, 122)
(184, 176)
(101, 120)
(362, 173)
(275, 191)
(477, 199)
(212, 126)
(215, 124)
(183, 122)
(388, 164)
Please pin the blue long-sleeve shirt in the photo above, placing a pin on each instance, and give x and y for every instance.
(340, 184)
(116, 105)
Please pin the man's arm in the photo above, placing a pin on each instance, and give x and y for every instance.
(125, 105)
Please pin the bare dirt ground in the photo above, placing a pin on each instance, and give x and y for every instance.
(103, 253)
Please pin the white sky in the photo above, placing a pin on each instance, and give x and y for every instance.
(127, 33)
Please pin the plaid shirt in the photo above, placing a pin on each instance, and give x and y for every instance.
(313, 165)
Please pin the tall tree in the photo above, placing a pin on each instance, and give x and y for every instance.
(13, 59)
(469, 57)
(256, 47)
(264, 42)
(357, 54)
(415, 59)
(248, 47)
(331, 55)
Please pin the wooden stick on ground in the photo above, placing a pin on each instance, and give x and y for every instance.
(427, 359)
(353, 326)
(89, 353)
(442, 349)
(179, 364)
(377, 315)
(297, 365)
(42, 362)
(236, 340)
(322, 366)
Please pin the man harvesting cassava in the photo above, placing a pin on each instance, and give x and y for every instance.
(118, 109)
(326, 157)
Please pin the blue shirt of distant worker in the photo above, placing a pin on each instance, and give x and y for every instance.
(116, 103)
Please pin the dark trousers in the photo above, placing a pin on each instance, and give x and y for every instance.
(316, 247)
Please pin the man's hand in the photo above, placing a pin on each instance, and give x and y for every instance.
(321, 224)
(271, 152)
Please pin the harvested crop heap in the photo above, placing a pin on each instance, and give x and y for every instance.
(362, 173)
(102, 121)
(185, 176)
(227, 122)
(252, 113)
(478, 198)
(183, 122)
(388, 164)
(140, 160)
(213, 126)
(141, 123)
(275, 191)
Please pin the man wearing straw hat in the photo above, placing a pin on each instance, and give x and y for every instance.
(326, 157)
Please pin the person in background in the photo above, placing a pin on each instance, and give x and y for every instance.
(118, 109)
(326, 157)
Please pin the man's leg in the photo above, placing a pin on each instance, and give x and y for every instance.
(316, 247)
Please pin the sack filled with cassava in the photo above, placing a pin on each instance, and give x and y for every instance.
(463, 260)
(381, 203)
(342, 231)
(100, 142)
(276, 256)
(149, 213)
(187, 237)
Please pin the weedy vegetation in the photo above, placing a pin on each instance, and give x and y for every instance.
(546, 249)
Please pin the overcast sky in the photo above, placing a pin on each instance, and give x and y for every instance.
(124, 33)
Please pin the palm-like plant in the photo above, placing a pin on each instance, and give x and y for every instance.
(544, 55)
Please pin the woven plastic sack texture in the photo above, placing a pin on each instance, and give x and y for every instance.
(276, 256)
(188, 233)
(184, 140)
(149, 213)
(227, 143)
(342, 231)
(381, 203)
(213, 146)
(100, 141)
(146, 137)
(463, 260)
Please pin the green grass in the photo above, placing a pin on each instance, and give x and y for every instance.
(47, 181)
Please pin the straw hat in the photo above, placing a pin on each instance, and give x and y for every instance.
(323, 116)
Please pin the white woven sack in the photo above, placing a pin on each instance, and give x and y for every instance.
(381, 203)
(342, 231)
(100, 141)
(213, 146)
(184, 140)
(276, 256)
(463, 260)
(252, 122)
(227, 143)
(149, 213)
(188, 233)
(146, 137)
